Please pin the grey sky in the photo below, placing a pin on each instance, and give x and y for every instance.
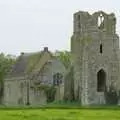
(29, 25)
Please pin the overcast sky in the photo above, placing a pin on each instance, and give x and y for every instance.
(29, 25)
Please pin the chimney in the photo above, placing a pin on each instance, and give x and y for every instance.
(45, 49)
(22, 53)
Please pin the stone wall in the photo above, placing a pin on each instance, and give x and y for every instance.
(15, 91)
(94, 47)
(23, 90)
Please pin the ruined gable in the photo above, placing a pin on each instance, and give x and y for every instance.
(84, 22)
(30, 62)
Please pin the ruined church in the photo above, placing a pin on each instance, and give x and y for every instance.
(35, 79)
(95, 53)
(95, 62)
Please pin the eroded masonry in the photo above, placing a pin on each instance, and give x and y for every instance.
(92, 78)
(95, 53)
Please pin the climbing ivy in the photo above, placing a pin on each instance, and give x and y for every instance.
(50, 91)
(111, 96)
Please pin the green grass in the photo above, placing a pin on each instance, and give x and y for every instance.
(60, 114)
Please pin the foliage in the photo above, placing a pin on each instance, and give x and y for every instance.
(111, 96)
(64, 57)
(50, 91)
(69, 81)
(6, 61)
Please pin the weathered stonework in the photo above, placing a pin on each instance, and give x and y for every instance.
(29, 78)
(95, 49)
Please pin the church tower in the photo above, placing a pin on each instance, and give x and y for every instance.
(95, 49)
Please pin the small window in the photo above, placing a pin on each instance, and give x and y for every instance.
(101, 48)
(79, 25)
(78, 17)
(57, 79)
(9, 89)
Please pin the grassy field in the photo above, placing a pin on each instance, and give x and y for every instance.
(60, 114)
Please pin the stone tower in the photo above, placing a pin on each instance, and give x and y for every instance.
(95, 47)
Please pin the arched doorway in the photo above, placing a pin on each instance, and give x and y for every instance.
(101, 80)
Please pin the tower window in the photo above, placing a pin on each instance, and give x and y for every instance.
(79, 25)
(101, 21)
(101, 48)
(78, 17)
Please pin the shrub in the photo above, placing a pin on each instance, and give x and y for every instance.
(111, 96)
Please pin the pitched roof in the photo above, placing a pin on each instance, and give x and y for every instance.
(29, 62)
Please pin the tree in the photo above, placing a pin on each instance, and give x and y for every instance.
(69, 85)
(6, 61)
(111, 96)
(64, 57)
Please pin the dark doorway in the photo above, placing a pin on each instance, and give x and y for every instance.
(101, 81)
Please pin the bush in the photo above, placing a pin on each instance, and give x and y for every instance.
(111, 96)
(50, 93)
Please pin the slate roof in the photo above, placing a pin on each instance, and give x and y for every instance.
(27, 62)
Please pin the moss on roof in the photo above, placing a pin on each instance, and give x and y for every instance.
(29, 62)
(32, 61)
